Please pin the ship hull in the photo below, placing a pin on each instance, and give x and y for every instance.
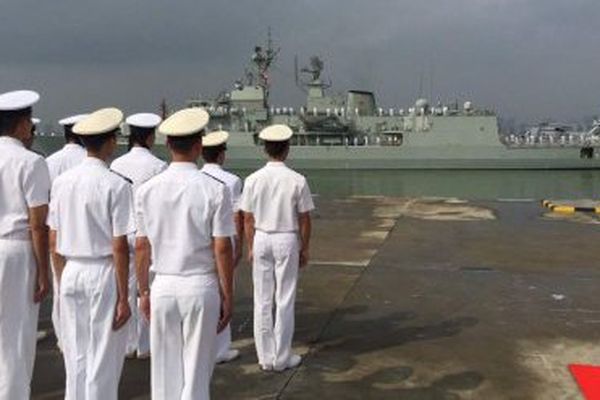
(249, 156)
(316, 157)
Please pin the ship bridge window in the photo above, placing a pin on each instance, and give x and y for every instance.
(586, 153)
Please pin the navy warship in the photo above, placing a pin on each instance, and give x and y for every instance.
(352, 131)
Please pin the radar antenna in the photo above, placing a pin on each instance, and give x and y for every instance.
(315, 71)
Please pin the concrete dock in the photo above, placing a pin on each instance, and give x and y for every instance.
(418, 299)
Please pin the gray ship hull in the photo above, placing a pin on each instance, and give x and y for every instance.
(249, 156)
(367, 157)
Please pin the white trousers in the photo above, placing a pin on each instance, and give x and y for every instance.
(143, 332)
(56, 307)
(224, 338)
(223, 341)
(18, 318)
(275, 274)
(183, 329)
(93, 351)
(138, 328)
(132, 324)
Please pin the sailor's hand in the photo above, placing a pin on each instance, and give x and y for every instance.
(226, 313)
(145, 306)
(304, 256)
(122, 314)
(42, 287)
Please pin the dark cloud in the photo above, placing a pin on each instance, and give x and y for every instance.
(528, 59)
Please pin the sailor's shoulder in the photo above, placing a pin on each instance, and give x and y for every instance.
(70, 177)
(151, 185)
(56, 156)
(120, 176)
(211, 177)
(28, 157)
(119, 160)
(258, 174)
(230, 177)
(295, 176)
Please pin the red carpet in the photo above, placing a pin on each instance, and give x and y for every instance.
(588, 379)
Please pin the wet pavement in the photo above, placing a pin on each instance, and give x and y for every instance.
(421, 299)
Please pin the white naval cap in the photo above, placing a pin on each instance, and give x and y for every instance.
(215, 138)
(72, 120)
(102, 121)
(18, 100)
(184, 122)
(276, 133)
(143, 120)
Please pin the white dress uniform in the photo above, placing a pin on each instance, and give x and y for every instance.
(234, 186)
(180, 211)
(24, 184)
(139, 165)
(70, 155)
(90, 205)
(275, 195)
(66, 158)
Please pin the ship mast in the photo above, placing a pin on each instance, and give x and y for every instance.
(262, 60)
(164, 110)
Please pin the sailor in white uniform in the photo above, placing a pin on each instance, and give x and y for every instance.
(72, 152)
(28, 142)
(91, 214)
(139, 165)
(214, 146)
(276, 202)
(66, 158)
(184, 224)
(24, 281)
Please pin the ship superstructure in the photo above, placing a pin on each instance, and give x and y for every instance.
(353, 131)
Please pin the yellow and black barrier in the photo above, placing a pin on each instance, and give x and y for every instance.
(568, 208)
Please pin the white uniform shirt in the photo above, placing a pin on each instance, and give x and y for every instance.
(139, 165)
(66, 158)
(24, 184)
(90, 205)
(181, 211)
(275, 195)
(233, 182)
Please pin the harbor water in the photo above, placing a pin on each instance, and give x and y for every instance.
(465, 184)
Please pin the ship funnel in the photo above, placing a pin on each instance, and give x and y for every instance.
(364, 102)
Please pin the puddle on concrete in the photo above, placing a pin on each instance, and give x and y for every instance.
(409, 378)
(432, 209)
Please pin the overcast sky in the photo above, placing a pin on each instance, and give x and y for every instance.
(529, 59)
